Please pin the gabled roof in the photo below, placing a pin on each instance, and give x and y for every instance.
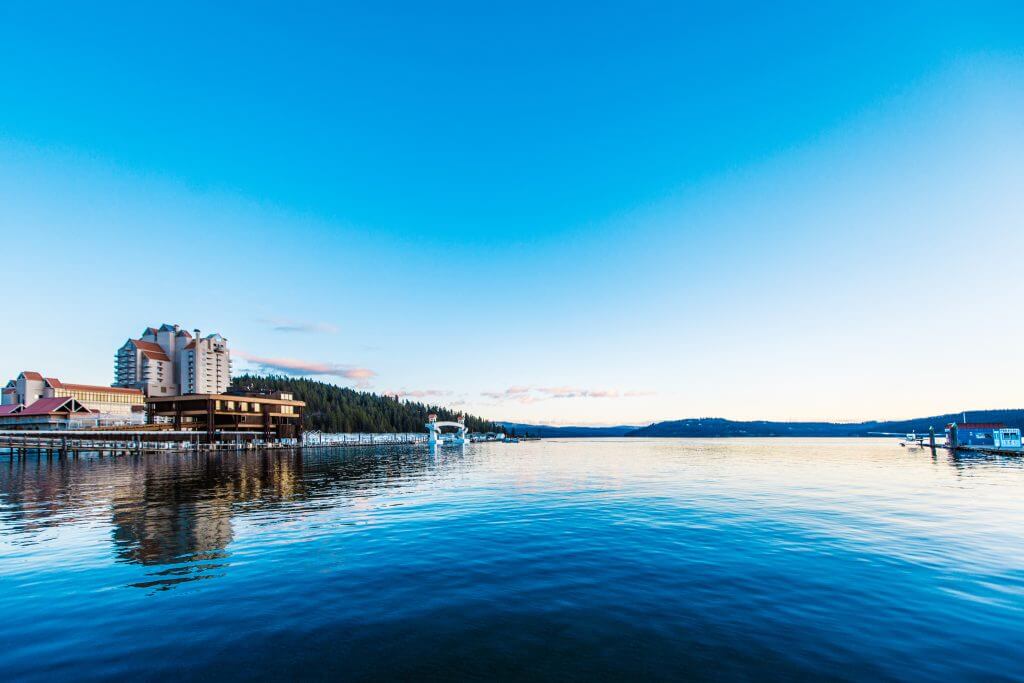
(11, 409)
(167, 328)
(190, 345)
(54, 382)
(28, 374)
(150, 350)
(149, 330)
(184, 333)
(50, 406)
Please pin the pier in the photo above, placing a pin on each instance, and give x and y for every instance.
(983, 450)
(138, 442)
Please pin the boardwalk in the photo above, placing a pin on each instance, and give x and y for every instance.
(73, 442)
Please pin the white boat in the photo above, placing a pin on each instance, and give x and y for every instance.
(912, 440)
(909, 440)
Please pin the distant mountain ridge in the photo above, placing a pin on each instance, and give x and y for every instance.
(547, 431)
(718, 427)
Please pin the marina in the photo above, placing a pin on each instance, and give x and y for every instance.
(966, 437)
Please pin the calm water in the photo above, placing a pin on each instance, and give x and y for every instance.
(724, 560)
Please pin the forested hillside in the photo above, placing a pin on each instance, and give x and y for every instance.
(716, 426)
(331, 408)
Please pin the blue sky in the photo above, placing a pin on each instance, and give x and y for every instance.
(591, 213)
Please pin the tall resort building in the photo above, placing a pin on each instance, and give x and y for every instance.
(170, 361)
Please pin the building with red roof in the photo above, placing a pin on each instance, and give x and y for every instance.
(112, 402)
(170, 361)
(46, 413)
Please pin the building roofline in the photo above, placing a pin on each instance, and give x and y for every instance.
(100, 388)
(226, 397)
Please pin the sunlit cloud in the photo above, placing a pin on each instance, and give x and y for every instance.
(297, 367)
(286, 325)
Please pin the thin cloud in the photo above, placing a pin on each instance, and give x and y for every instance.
(297, 367)
(297, 326)
(419, 393)
(511, 392)
(526, 395)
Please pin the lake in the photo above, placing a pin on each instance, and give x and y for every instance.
(839, 559)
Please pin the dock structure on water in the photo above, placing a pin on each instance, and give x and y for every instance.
(127, 442)
(321, 440)
(139, 441)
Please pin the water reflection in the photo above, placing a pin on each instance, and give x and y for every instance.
(964, 461)
(175, 511)
(573, 559)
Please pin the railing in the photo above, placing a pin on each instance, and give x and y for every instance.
(139, 441)
(321, 439)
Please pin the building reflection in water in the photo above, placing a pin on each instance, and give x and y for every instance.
(173, 512)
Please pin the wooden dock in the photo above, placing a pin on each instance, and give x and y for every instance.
(981, 450)
(137, 442)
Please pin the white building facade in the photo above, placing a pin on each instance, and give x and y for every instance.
(170, 361)
(205, 365)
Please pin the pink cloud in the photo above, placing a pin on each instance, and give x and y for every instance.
(295, 366)
(511, 392)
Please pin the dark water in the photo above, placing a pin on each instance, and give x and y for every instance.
(580, 560)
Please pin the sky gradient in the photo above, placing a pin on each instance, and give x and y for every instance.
(591, 214)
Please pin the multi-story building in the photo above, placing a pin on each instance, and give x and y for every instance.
(169, 361)
(204, 366)
(30, 387)
(275, 416)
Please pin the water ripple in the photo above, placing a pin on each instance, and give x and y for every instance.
(619, 558)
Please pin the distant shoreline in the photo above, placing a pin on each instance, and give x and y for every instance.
(715, 427)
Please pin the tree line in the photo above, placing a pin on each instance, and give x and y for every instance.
(335, 409)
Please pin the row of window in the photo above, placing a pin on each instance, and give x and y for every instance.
(244, 407)
(241, 406)
(100, 396)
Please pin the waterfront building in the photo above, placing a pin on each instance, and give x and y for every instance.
(46, 413)
(276, 416)
(1007, 439)
(110, 402)
(170, 361)
(972, 433)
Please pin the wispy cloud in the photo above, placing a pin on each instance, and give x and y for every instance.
(511, 392)
(419, 393)
(295, 366)
(286, 325)
(529, 394)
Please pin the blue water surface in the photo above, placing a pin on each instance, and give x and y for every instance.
(557, 560)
